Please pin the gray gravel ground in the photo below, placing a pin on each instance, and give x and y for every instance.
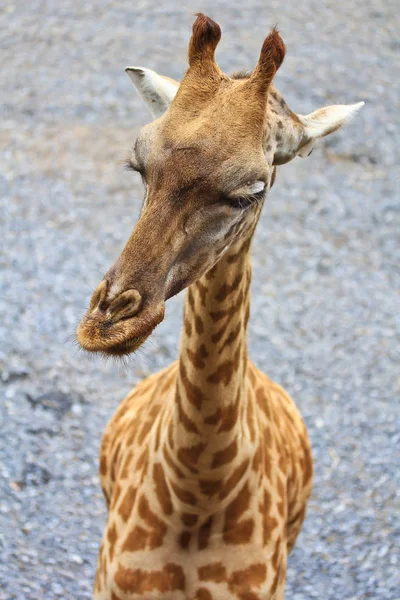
(325, 321)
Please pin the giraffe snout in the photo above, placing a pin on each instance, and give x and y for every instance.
(117, 325)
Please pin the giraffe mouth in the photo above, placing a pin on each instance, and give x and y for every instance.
(127, 346)
(96, 333)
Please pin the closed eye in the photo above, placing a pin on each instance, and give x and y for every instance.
(245, 201)
(250, 192)
(129, 164)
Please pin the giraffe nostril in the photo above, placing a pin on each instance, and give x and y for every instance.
(99, 295)
(125, 305)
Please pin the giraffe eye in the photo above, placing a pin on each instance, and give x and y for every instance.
(249, 188)
(247, 194)
(245, 201)
(131, 165)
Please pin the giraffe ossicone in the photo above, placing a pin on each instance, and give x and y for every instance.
(206, 466)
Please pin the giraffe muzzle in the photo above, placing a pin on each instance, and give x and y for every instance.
(117, 326)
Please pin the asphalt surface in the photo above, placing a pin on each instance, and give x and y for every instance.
(325, 309)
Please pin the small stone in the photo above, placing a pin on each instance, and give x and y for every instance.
(16, 486)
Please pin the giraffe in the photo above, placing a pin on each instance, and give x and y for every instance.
(206, 466)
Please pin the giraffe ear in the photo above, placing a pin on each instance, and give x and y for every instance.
(324, 121)
(157, 91)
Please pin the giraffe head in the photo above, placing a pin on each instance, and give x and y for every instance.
(207, 161)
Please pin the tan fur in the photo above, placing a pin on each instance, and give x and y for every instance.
(206, 466)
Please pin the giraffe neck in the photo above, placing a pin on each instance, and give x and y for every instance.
(207, 441)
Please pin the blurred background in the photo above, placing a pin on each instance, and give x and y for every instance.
(325, 293)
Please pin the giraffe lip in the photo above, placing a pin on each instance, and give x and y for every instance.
(127, 346)
(96, 333)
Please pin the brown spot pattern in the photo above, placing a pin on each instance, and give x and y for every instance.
(230, 416)
(237, 531)
(234, 479)
(202, 289)
(257, 459)
(189, 519)
(184, 496)
(199, 325)
(189, 456)
(218, 315)
(214, 418)
(250, 419)
(162, 490)
(233, 335)
(142, 460)
(184, 539)
(140, 538)
(225, 290)
(216, 337)
(103, 466)
(112, 538)
(193, 392)
(115, 495)
(198, 357)
(190, 297)
(215, 572)
(171, 464)
(262, 402)
(222, 457)
(127, 503)
(204, 534)
(241, 534)
(225, 370)
(126, 465)
(209, 487)
(186, 421)
(144, 431)
(171, 578)
(269, 523)
(211, 273)
(188, 326)
(244, 580)
(306, 463)
(203, 594)
(233, 258)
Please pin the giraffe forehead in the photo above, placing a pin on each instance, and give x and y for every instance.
(229, 124)
(193, 162)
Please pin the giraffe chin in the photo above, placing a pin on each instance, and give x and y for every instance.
(126, 347)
